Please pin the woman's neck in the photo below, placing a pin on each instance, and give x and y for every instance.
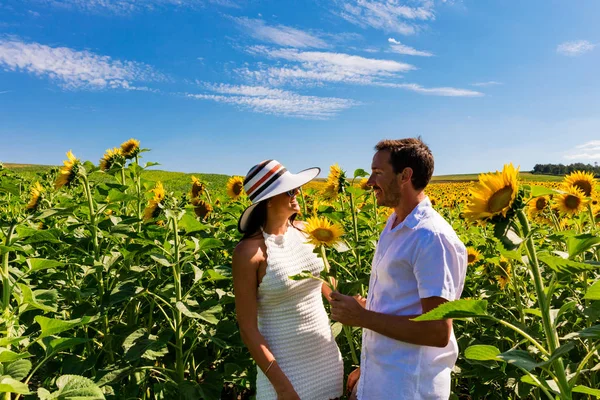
(276, 226)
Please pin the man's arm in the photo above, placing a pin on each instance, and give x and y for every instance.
(349, 311)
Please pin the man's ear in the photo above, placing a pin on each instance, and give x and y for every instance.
(407, 174)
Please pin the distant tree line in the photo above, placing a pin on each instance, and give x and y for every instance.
(561, 169)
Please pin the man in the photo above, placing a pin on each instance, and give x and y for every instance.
(419, 264)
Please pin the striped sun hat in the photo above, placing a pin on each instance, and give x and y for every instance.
(268, 179)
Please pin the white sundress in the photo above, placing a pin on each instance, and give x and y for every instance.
(292, 319)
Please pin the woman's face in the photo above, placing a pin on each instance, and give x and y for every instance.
(285, 204)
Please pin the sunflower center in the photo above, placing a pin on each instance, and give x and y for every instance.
(500, 200)
(323, 235)
(585, 187)
(572, 202)
(237, 188)
(471, 258)
(540, 203)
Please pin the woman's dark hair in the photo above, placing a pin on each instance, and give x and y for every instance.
(258, 218)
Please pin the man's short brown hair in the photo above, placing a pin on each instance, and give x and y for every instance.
(410, 153)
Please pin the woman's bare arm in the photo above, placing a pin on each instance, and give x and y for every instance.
(247, 257)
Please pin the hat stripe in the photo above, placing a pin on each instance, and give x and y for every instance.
(275, 167)
(267, 183)
(251, 183)
(254, 171)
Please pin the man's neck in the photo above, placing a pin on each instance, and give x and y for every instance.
(406, 206)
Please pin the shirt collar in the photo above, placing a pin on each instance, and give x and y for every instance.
(415, 215)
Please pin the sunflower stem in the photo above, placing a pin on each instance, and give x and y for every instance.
(331, 279)
(6, 286)
(180, 371)
(138, 187)
(544, 305)
(304, 208)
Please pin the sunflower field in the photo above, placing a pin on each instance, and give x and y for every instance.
(117, 288)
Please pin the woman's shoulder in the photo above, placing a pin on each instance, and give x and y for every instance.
(250, 248)
(300, 224)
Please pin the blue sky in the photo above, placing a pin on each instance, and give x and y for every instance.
(219, 85)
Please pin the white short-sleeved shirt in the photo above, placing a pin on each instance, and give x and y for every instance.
(421, 257)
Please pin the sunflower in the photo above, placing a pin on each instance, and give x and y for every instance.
(538, 205)
(197, 188)
(336, 181)
(68, 173)
(582, 180)
(235, 187)
(494, 194)
(110, 157)
(153, 209)
(322, 232)
(363, 184)
(473, 255)
(202, 208)
(130, 148)
(503, 278)
(571, 202)
(159, 192)
(36, 193)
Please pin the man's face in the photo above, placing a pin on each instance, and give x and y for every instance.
(384, 180)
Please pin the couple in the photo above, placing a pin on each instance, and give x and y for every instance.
(419, 264)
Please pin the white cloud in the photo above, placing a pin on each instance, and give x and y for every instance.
(387, 15)
(488, 83)
(318, 66)
(575, 48)
(5, 91)
(73, 69)
(434, 91)
(266, 100)
(587, 151)
(280, 34)
(400, 48)
(128, 6)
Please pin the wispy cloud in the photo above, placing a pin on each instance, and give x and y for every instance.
(587, 151)
(400, 48)
(485, 84)
(319, 66)
(72, 69)
(280, 34)
(575, 48)
(4, 91)
(128, 6)
(387, 15)
(266, 100)
(434, 91)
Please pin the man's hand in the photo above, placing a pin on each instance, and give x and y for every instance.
(352, 380)
(347, 310)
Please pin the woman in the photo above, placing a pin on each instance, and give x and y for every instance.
(283, 322)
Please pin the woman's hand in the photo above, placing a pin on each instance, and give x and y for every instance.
(352, 380)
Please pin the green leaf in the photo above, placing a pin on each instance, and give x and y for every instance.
(593, 292)
(209, 243)
(29, 298)
(303, 275)
(561, 265)
(360, 173)
(586, 390)
(10, 356)
(114, 376)
(10, 385)
(457, 309)
(11, 188)
(160, 259)
(506, 232)
(581, 243)
(212, 275)
(336, 328)
(341, 246)
(520, 358)
(38, 264)
(593, 332)
(561, 351)
(537, 191)
(52, 326)
(73, 387)
(60, 344)
(5, 341)
(18, 369)
(141, 344)
(207, 315)
(482, 352)
(190, 224)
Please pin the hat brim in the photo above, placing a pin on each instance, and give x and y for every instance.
(293, 181)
